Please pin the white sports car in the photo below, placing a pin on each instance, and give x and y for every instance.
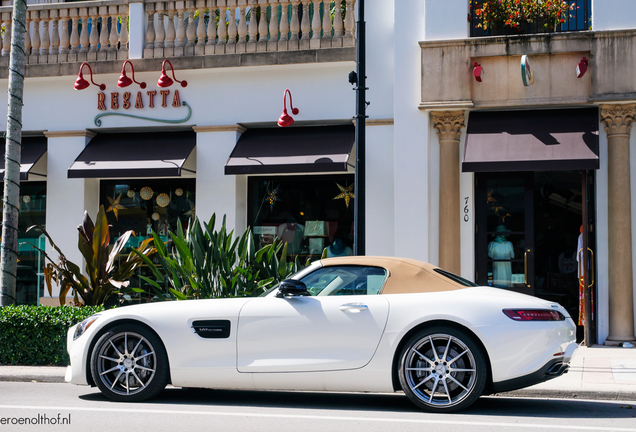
(342, 324)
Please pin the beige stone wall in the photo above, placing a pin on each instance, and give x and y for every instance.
(448, 82)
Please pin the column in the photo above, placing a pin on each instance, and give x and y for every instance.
(618, 120)
(137, 32)
(229, 194)
(449, 125)
(67, 198)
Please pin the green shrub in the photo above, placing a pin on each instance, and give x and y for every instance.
(36, 335)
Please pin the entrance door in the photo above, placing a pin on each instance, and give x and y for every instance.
(505, 231)
(528, 227)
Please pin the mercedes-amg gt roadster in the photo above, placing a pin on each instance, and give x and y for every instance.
(371, 324)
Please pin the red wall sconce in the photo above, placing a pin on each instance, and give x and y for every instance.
(581, 68)
(81, 83)
(285, 119)
(124, 81)
(477, 71)
(165, 80)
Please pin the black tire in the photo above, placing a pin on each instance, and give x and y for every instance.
(129, 364)
(442, 369)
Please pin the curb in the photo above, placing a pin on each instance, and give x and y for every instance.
(616, 395)
(32, 378)
(571, 394)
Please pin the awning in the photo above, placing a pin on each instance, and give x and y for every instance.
(154, 154)
(33, 148)
(545, 140)
(292, 150)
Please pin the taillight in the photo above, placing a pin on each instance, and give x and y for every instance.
(534, 315)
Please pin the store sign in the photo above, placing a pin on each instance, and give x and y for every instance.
(117, 103)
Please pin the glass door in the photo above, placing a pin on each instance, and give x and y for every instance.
(505, 236)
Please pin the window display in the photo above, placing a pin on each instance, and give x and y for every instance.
(30, 284)
(309, 213)
(147, 204)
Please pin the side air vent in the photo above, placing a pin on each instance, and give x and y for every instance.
(212, 329)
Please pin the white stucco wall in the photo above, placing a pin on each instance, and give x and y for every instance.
(411, 131)
(216, 192)
(379, 194)
(445, 19)
(613, 14)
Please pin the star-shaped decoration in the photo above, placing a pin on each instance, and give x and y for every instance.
(191, 212)
(345, 193)
(271, 198)
(115, 206)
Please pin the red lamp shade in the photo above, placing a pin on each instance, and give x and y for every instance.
(581, 68)
(165, 80)
(477, 71)
(81, 83)
(124, 81)
(285, 119)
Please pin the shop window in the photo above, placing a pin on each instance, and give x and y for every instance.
(30, 283)
(145, 205)
(309, 213)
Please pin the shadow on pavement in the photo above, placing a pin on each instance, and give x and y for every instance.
(362, 402)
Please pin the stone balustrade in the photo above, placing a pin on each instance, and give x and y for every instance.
(71, 32)
(98, 30)
(205, 27)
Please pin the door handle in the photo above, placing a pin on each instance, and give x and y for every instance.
(353, 307)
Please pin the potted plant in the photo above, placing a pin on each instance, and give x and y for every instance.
(517, 16)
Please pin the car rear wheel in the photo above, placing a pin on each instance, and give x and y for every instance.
(129, 363)
(442, 370)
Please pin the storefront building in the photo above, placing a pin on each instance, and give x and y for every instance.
(528, 172)
(492, 179)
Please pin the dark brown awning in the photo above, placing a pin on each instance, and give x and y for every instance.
(154, 154)
(33, 148)
(546, 140)
(292, 150)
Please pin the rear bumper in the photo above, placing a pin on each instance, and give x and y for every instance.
(552, 369)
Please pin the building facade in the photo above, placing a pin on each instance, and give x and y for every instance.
(496, 180)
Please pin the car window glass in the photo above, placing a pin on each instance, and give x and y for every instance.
(345, 280)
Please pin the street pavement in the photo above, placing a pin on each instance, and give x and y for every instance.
(596, 373)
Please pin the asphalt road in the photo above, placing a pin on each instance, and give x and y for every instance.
(209, 410)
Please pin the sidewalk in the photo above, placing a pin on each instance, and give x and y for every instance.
(599, 372)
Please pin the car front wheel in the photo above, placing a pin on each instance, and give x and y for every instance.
(129, 363)
(442, 370)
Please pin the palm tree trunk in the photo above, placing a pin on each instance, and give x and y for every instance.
(11, 197)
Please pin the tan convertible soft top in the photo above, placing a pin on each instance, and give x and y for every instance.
(405, 275)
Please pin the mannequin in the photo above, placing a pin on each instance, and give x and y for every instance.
(337, 249)
(501, 249)
(292, 233)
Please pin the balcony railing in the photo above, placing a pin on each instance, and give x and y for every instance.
(98, 30)
(580, 19)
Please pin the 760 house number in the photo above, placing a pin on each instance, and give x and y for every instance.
(466, 210)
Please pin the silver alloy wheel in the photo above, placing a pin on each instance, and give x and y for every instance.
(126, 363)
(440, 370)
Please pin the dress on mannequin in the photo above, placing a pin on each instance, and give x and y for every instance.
(501, 249)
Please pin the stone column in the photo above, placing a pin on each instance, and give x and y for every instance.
(618, 120)
(449, 125)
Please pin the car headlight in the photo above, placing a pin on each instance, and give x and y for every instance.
(84, 325)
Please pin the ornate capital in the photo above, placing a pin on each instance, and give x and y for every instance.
(618, 119)
(448, 124)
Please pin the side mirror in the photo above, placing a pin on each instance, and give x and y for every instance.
(292, 288)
